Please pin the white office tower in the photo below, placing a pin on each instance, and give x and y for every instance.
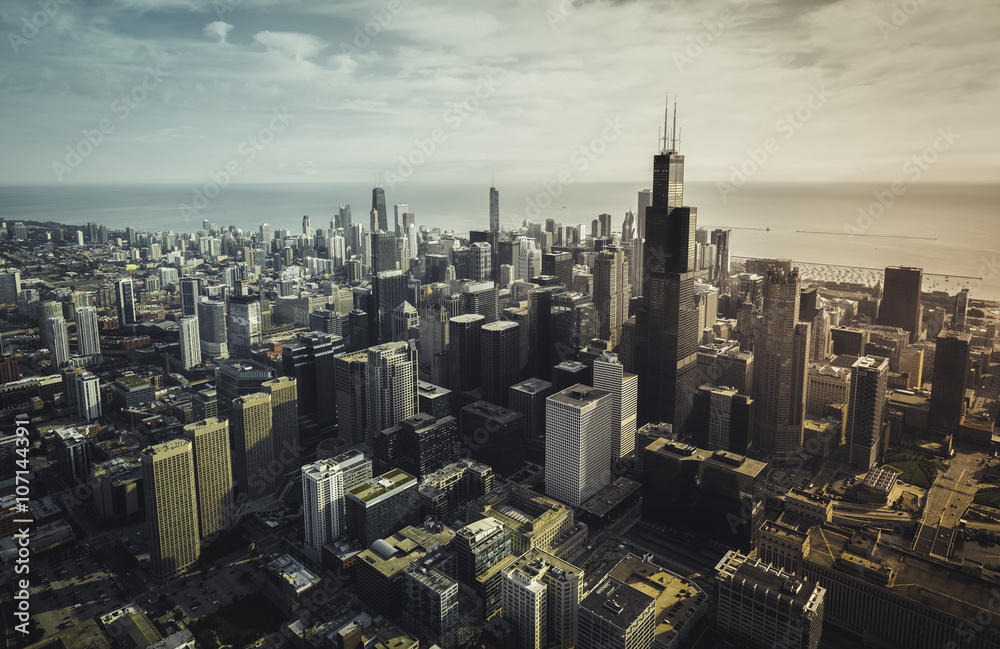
(578, 432)
(610, 375)
(391, 382)
(88, 335)
(58, 338)
(190, 342)
(412, 240)
(529, 259)
(541, 597)
(322, 502)
(88, 396)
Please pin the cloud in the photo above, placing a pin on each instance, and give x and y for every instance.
(293, 45)
(218, 29)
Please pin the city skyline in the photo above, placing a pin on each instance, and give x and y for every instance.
(210, 84)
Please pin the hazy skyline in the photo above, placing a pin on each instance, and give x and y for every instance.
(341, 91)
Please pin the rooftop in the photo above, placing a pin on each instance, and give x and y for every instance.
(531, 386)
(293, 573)
(617, 602)
(381, 485)
(579, 395)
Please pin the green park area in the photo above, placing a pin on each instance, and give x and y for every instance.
(917, 470)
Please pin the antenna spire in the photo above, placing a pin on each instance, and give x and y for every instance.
(666, 120)
(673, 131)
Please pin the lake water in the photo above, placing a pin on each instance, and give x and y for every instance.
(948, 230)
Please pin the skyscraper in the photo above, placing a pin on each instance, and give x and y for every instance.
(578, 431)
(501, 359)
(58, 338)
(391, 384)
(610, 375)
(88, 335)
(380, 218)
(465, 332)
(322, 502)
(952, 360)
(88, 396)
(245, 325)
(611, 294)
(901, 299)
(212, 328)
(190, 339)
(285, 419)
(482, 551)
(310, 361)
(10, 286)
(190, 292)
(481, 262)
(541, 596)
(617, 616)
(666, 331)
(350, 381)
(494, 210)
(213, 474)
(385, 253)
(781, 353)
(388, 292)
(236, 378)
(125, 301)
(171, 508)
(866, 408)
(252, 431)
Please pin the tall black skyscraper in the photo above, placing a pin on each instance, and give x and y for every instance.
(378, 205)
(385, 255)
(190, 291)
(309, 360)
(952, 362)
(494, 210)
(901, 299)
(666, 343)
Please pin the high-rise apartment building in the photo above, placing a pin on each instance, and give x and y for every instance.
(391, 386)
(324, 484)
(482, 552)
(212, 327)
(169, 482)
(190, 341)
(252, 431)
(541, 596)
(381, 506)
(58, 339)
(863, 429)
(88, 396)
(213, 474)
(578, 430)
(88, 335)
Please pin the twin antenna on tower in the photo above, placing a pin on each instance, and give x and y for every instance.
(669, 136)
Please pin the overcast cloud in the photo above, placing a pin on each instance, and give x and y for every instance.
(515, 87)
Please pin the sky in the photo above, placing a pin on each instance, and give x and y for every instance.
(263, 91)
